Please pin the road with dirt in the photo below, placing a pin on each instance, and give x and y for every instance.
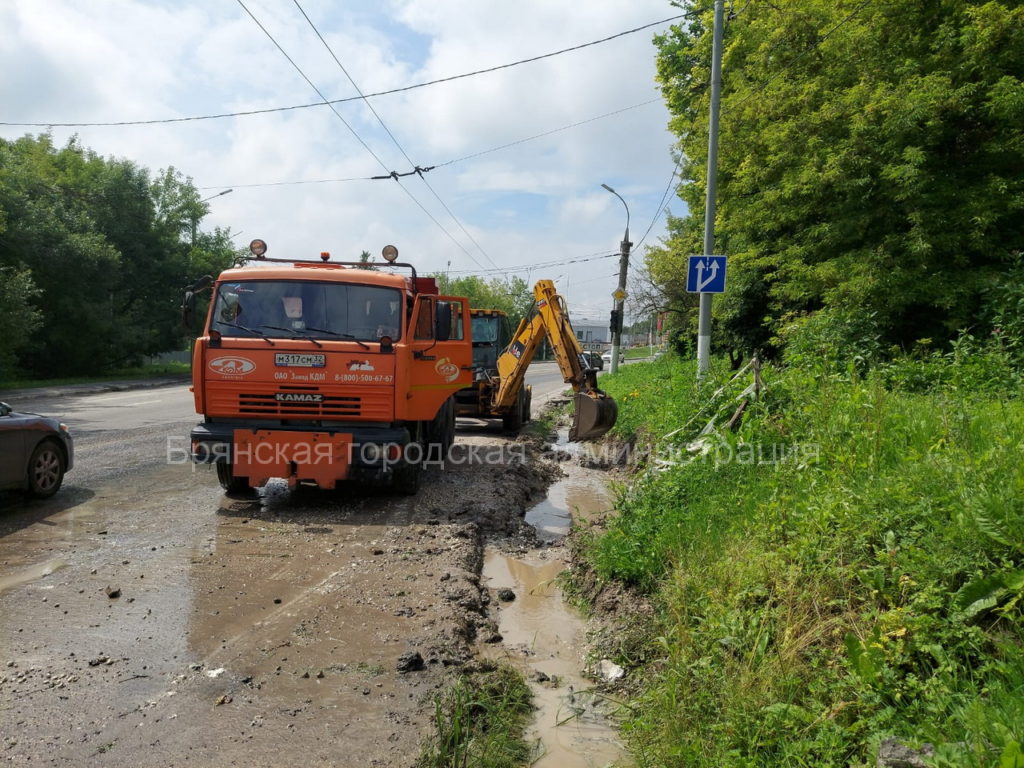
(150, 620)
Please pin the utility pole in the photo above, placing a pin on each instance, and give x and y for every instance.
(704, 321)
(620, 293)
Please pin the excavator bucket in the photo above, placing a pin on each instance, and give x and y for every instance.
(595, 414)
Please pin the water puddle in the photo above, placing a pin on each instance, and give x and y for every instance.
(546, 639)
(32, 573)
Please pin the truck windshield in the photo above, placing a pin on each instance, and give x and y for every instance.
(485, 328)
(301, 308)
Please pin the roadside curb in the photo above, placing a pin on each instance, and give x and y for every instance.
(68, 390)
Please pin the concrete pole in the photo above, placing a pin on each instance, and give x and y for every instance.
(704, 321)
(620, 302)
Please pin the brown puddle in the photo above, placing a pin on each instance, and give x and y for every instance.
(545, 637)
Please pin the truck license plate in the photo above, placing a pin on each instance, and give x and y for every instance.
(300, 361)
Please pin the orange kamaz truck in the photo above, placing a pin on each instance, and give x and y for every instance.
(318, 372)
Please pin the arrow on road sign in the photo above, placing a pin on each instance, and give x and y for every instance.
(701, 282)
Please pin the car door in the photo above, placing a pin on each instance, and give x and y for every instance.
(12, 447)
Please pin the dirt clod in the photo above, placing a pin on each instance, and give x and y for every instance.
(410, 661)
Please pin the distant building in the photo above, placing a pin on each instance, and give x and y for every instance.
(591, 335)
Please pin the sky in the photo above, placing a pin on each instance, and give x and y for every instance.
(536, 202)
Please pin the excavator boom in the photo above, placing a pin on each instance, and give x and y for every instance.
(595, 412)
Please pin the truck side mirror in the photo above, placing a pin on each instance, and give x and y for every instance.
(443, 323)
(188, 305)
(188, 310)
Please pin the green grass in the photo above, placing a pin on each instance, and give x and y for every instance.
(847, 567)
(139, 372)
(480, 721)
(634, 352)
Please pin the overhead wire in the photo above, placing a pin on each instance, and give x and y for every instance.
(353, 132)
(447, 162)
(330, 102)
(418, 171)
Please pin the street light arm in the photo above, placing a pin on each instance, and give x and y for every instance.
(624, 205)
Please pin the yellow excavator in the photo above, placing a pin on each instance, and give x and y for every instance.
(499, 388)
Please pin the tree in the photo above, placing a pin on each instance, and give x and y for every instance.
(18, 318)
(871, 159)
(366, 261)
(512, 295)
(106, 251)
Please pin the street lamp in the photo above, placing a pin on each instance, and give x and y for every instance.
(195, 219)
(620, 293)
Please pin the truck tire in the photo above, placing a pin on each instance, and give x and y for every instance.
(440, 433)
(406, 478)
(45, 470)
(228, 481)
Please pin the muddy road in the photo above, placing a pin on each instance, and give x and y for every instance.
(150, 620)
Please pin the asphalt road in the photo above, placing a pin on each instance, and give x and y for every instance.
(148, 619)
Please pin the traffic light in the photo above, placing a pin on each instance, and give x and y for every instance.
(616, 322)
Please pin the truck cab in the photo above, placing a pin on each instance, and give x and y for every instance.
(318, 372)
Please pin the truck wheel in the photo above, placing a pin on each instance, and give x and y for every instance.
(513, 421)
(406, 478)
(45, 470)
(449, 427)
(228, 481)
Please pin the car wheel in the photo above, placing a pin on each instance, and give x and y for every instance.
(45, 470)
(228, 481)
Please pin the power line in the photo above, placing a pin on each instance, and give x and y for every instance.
(403, 89)
(661, 205)
(548, 133)
(446, 163)
(539, 265)
(419, 171)
(353, 132)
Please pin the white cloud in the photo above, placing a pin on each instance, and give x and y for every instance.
(79, 60)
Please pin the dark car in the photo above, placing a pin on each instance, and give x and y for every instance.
(35, 452)
(594, 361)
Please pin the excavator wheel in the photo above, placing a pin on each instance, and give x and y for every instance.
(513, 420)
(595, 414)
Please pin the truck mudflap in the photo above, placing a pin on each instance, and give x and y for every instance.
(318, 457)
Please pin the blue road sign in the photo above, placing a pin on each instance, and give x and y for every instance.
(706, 274)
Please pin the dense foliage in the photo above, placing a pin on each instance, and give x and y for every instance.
(94, 256)
(512, 295)
(845, 568)
(871, 160)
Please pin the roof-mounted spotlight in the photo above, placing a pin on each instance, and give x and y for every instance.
(390, 253)
(258, 248)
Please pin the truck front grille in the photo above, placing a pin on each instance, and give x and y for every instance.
(362, 403)
(268, 405)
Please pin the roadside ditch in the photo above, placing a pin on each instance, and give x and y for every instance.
(530, 626)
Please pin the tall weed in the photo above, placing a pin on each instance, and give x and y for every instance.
(867, 586)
